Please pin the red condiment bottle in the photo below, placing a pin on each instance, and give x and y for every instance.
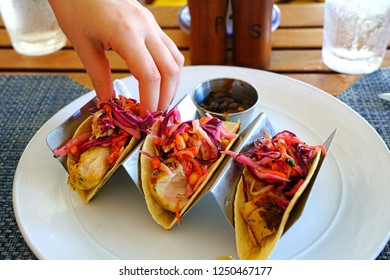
(252, 28)
(208, 39)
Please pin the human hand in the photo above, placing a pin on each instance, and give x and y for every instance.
(129, 29)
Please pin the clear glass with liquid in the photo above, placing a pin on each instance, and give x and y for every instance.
(356, 34)
(32, 27)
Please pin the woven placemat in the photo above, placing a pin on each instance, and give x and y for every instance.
(363, 98)
(27, 102)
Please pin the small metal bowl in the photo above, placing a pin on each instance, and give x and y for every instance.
(240, 91)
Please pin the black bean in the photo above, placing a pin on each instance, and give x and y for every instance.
(223, 106)
(233, 105)
(223, 102)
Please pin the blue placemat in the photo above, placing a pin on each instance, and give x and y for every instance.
(363, 98)
(27, 102)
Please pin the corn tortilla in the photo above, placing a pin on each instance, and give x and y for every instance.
(245, 247)
(87, 195)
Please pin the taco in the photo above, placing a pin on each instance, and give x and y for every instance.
(101, 142)
(177, 159)
(276, 172)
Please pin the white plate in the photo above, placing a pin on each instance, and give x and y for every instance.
(345, 217)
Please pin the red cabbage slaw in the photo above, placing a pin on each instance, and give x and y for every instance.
(113, 124)
(195, 144)
(278, 164)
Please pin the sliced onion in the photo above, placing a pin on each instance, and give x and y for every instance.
(77, 141)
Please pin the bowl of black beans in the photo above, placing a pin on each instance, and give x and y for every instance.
(226, 98)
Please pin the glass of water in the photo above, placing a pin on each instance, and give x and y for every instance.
(32, 26)
(356, 34)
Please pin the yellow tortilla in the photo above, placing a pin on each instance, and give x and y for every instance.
(245, 247)
(164, 217)
(87, 195)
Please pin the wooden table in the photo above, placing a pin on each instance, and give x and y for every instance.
(296, 51)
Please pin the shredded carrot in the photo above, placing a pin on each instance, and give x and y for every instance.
(178, 155)
(294, 172)
(203, 120)
(156, 141)
(274, 172)
(108, 110)
(156, 163)
(282, 149)
(195, 164)
(192, 152)
(274, 166)
(267, 135)
(73, 149)
(117, 145)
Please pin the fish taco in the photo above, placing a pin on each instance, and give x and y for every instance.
(276, 172)
(101, 142)
(177, 159)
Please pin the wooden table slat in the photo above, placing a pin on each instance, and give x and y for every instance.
(291, 38)
(281, 38)
(66, 60)
(302, 15)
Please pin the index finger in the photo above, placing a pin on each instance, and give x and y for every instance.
(98, 68)
(145, 71)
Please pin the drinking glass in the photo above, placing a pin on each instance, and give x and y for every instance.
(356, 34)
(32, 26)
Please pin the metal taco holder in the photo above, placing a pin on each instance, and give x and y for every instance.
(65, 131)
(221, 187)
